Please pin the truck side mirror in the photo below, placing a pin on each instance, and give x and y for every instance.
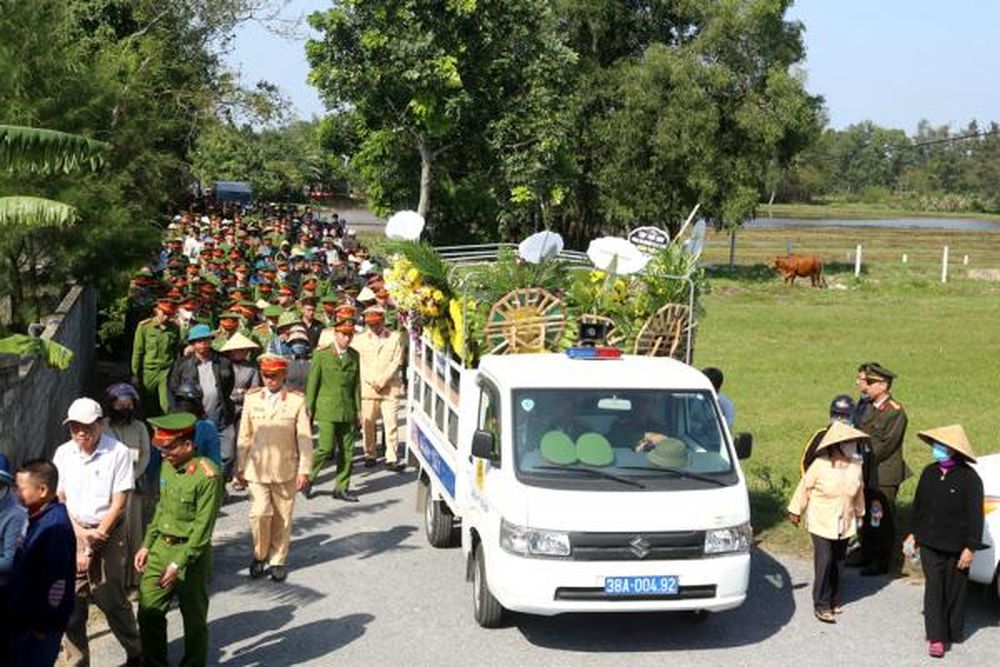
(744, 445)
(482, 445)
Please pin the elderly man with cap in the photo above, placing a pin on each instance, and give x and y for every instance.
(948, 527)
(280, 344)
(381, 352)
(154, 349)
(176, 555)
(333, 396)
(95, 480)
(885, 421)
(833, 493)
(274, 456)
(211, 371)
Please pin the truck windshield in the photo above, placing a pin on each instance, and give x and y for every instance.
(659, 438)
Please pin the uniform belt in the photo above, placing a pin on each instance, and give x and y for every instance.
(172, 540)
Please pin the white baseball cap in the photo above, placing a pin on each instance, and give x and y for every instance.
(84, 411)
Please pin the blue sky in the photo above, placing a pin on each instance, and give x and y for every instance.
(890, 61)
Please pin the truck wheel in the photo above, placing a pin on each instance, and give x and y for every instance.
(439, 523)
(485, 607)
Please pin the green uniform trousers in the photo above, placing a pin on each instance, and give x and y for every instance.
(336, 439)
(192, 598)
(153, 393)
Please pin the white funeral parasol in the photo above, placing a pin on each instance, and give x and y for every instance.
(539, 247)
(616, 255)
(405, 225)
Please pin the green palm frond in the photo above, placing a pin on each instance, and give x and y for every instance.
(37, 150)
(34, 212)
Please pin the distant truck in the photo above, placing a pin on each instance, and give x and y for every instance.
(237, 192)
(583, 481)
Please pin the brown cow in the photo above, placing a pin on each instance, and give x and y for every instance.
(791, 267)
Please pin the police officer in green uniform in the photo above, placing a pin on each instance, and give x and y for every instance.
(154, 349)
(885, 421)
(176, 554)
(333, 397)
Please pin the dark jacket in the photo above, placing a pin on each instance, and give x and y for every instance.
(948, 509)
(41, 590)
(186, 369)
(886, 425)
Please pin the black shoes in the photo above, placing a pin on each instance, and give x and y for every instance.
(346, 496)
(309, 492)
(398, 466)
(369, 463)
(279, 573)
(258, 569)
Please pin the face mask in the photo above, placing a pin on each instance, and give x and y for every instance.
(940, 452)
(121, 415)
(849, 450)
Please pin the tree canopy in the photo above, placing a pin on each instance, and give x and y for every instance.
(577, 115)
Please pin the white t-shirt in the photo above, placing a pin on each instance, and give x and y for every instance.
(88, 482)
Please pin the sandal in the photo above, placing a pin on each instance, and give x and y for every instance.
(825, 615)
(935, 649)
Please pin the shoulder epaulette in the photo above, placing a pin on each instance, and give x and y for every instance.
(295, 392)
(207, 468)
(147, 320)
(894, 405)
(254, 390)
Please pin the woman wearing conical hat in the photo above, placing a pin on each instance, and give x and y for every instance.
(833, 492)
(948, 526)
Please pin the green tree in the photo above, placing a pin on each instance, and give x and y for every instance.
(430, 81)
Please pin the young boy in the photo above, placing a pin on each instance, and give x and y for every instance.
(45, 569)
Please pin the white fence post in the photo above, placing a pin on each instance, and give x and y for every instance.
(944, 265)
(857, 261)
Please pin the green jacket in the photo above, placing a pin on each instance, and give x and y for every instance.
(333, 389)
(886, 425)
(154, 348)
(189, 502)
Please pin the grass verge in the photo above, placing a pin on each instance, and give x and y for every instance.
(786, 351)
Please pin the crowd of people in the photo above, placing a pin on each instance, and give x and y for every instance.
(255, 339)
(851, 473)
(252, 338)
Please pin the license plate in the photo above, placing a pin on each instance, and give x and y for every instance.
(624, 586)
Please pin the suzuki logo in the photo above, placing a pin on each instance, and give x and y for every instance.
(639, 546)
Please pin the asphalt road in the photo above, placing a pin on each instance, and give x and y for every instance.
(365, 588)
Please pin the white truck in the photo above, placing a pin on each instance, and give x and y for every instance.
(580, 484)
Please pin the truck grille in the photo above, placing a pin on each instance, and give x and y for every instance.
(680, 545)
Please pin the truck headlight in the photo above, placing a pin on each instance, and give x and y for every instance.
(523, 541)
(736, 539)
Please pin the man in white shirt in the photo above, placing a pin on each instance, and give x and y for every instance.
(95, 480)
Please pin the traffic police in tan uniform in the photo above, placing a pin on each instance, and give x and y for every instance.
(274, 457)
(381, 352)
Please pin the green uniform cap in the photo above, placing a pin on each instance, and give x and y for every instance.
(273, 311)
(168, 427)
(594, 450)
(289, 318)
(558, 448)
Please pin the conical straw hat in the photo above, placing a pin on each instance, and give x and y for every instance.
(951, 436)
(840, 432)
(239, 342)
